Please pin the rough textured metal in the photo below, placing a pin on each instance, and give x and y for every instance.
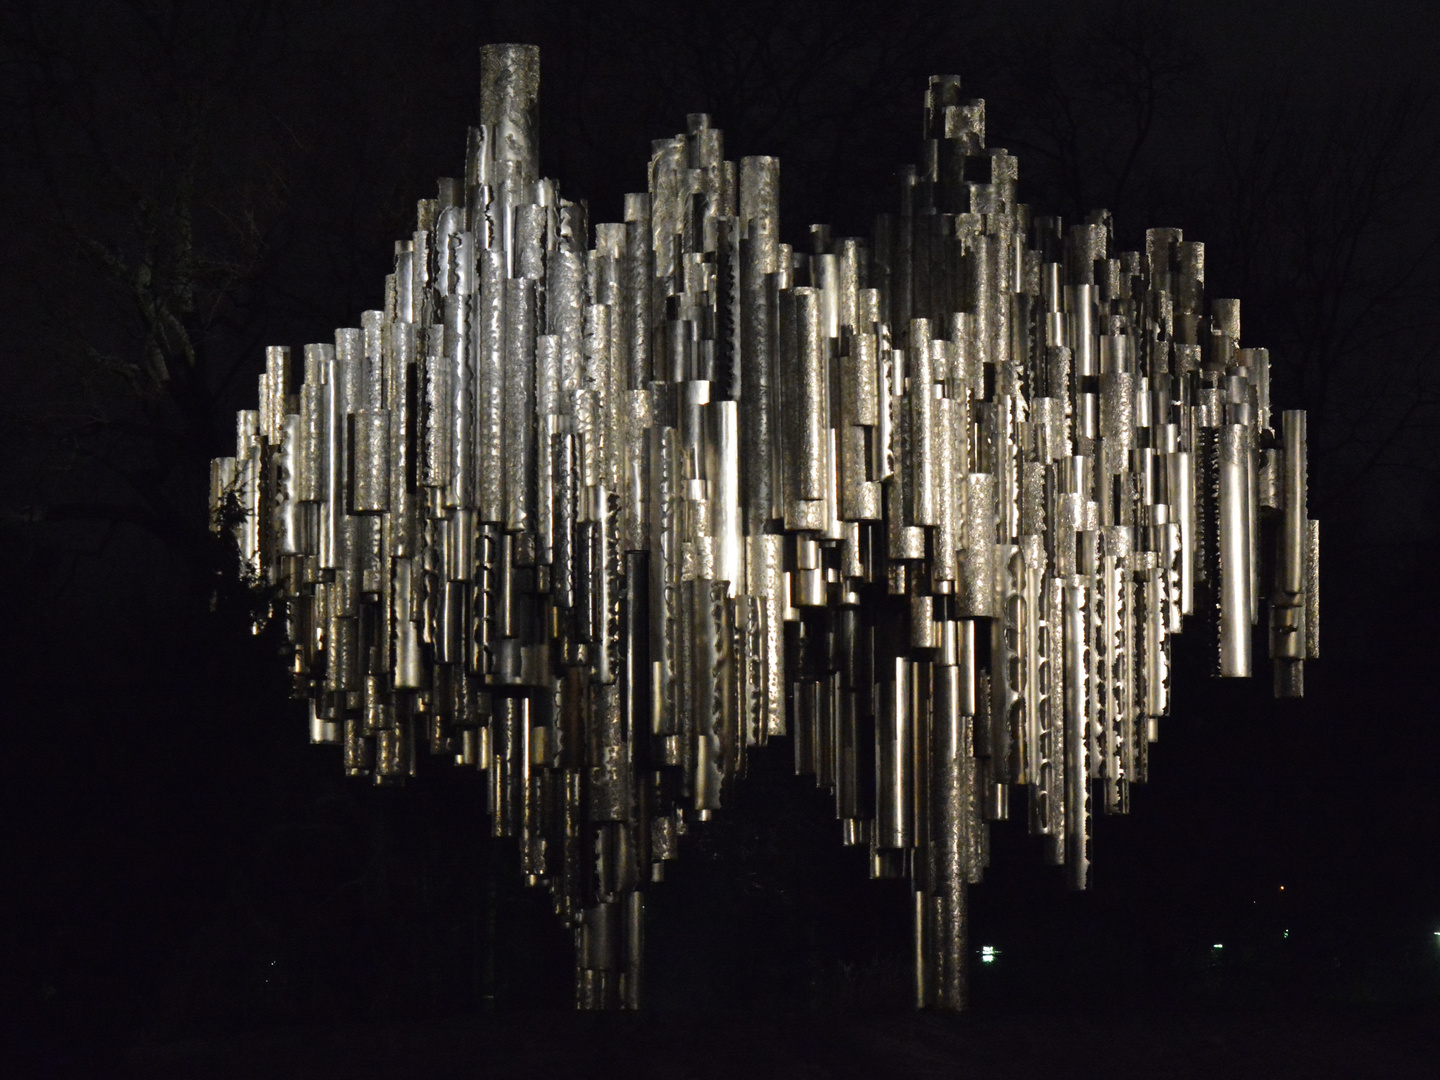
(557, 511)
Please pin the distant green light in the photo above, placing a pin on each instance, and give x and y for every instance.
(1217, 946)
(1287, 933)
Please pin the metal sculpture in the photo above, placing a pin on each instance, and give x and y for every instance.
(597, 519)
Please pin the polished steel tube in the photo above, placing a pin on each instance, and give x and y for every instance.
(1234, 543)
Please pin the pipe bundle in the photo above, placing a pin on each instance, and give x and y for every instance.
(595, 514)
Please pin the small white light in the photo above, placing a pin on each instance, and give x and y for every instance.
(1218, 946)
(988, 953)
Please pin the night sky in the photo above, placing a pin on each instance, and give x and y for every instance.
(184, 184)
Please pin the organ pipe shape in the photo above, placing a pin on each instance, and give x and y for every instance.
(556, 510)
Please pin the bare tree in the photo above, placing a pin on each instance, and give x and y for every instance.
(145, 239)
(199, 183)
(1326, 210)
(1092, 100)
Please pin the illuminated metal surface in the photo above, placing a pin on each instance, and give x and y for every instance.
(597, 518)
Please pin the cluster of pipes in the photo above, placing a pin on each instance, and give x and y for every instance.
(597, 518)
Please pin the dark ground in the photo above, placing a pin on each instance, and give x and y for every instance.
(977, 1046)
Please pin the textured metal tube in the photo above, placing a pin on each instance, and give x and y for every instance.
(922, 435)
(813, 394)
(294, 538)
(487, 443)
(372, 461)
(1312, 590)
(518, 425)
(510, 104)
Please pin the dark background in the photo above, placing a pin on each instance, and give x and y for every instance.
(184, 880)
